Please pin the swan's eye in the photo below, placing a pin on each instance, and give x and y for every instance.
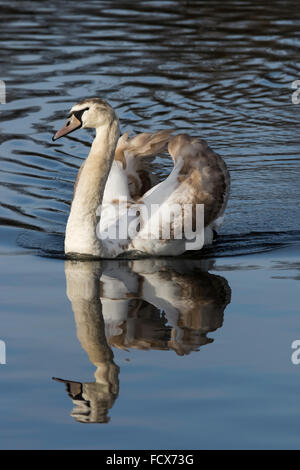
(78, 114)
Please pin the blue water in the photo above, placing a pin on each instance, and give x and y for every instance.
(192, 353)
(239, 391)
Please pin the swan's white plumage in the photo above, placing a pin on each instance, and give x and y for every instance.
(117, 174)
(117, 184)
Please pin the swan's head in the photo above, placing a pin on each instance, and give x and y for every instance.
(89, 113)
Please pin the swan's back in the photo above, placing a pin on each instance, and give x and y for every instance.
(203, 177)
(199, 177)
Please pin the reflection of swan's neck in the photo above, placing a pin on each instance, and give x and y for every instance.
(81, 226)
(93, 400)
(83, 290)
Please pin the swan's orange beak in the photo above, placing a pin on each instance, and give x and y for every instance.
(71, 125)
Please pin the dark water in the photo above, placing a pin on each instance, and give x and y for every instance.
(220, 70)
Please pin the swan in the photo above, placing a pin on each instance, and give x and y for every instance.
(114, 181)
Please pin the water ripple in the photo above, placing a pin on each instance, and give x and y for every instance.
(222, 71)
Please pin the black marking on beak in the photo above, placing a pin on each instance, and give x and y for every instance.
(77, 117)
(79, 114)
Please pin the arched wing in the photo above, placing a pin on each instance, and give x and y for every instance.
(135, 156)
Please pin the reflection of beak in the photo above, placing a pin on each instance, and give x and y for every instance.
(71, 125)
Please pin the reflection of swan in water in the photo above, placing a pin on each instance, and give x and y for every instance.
(142, 304)
(192, 305)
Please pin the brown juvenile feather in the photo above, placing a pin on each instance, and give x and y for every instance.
(204, 172)
(131, 153)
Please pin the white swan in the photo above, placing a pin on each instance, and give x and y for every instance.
(115, 175)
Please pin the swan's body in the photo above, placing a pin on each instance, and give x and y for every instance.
(115, 176)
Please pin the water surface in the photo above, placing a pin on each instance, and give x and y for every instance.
(160, 354)
(222, 72)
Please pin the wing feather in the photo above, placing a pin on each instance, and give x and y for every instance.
(132, 153)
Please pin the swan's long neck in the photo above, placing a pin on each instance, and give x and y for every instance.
(81, 227)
